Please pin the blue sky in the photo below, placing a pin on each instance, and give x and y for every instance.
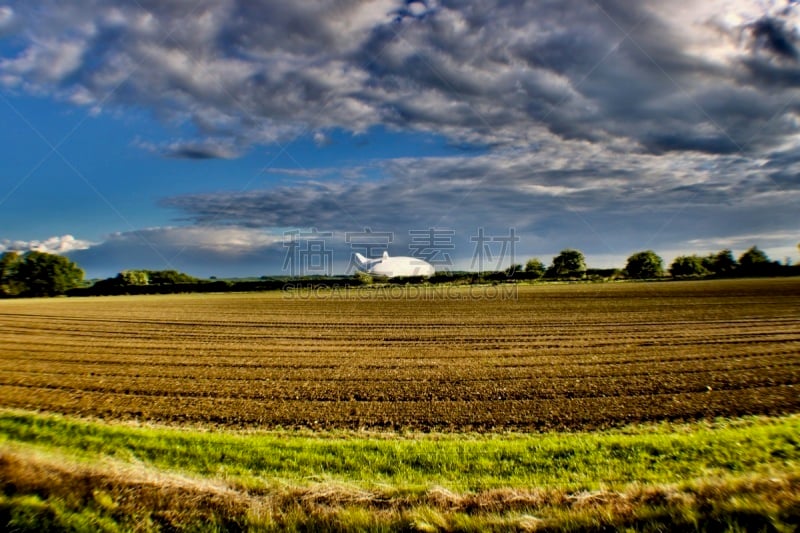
(202, 137)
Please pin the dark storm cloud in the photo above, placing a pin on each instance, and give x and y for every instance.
(192, 153)
(772, 34)
(592, 201)
(719, 144)
(200, 150)
(498, 73)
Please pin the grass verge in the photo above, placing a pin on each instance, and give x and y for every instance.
(65, 473)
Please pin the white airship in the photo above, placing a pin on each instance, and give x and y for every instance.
(393, 267)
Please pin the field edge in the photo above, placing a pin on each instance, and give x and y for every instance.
(57, 488)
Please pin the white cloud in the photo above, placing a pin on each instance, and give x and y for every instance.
(53, 245)
(417, 8)
(217, 239)
(299, 172)
(320, 139)
(6, 18)
(779, 242)
(198, 250)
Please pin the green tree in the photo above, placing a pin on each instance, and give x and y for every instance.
(687, 266)
(169, 277)
(512, 270)
(534, 268)
(753, 257)
(9, 283)
(363, 277)
(44, 274)
(754, 262)
(568, 264)
(643, 265)
(134, 277)
(722, 263)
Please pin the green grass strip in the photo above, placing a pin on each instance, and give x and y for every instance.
(658, 453)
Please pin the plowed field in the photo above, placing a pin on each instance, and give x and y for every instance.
(531, 357)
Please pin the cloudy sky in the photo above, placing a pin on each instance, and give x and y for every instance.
(251, 137)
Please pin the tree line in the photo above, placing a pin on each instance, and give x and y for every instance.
(42, 274)
(571, 264)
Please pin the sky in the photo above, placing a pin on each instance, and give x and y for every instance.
(255, 137)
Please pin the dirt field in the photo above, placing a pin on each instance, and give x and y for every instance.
(533, 357)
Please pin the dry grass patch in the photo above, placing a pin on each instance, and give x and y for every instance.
(54, 491)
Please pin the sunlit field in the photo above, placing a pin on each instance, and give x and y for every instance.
(561, 406)
(528, 357)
